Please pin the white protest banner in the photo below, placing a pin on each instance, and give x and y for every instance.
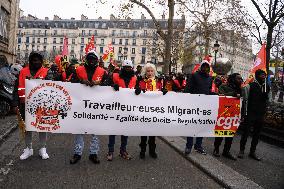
(62, 107)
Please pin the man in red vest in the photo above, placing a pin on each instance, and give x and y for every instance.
(35, 70)
(124, 79)
(89, 74)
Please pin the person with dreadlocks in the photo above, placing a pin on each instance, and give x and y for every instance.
(255, 100)
(89, 74)
(231, 88)
(124, 79)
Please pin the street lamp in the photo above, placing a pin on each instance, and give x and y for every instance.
(216, 49)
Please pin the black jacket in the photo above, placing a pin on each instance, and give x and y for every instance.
(199, 83)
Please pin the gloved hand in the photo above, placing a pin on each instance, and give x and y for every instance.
(86, 82)
(116, 87)
(137, 91)
(164, 91)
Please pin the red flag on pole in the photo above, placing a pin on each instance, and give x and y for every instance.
(259, 63)
(65, 46)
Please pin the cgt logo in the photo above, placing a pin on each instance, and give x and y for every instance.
(228, 122)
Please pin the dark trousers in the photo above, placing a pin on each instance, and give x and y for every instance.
(111, 143)
(256, 125)
(227, 145)
(198, 143)
(151, 142)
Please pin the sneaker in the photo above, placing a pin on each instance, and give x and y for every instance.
(94, 158)
(27, 153)
(75, 159)
(216, 152)
(124, 155)
(254, 156)
(43, 154)
(142, 155)
(241, 154)
(187, 151)
(153, 154)
(200, 150)
(109, 156)
(229, 156)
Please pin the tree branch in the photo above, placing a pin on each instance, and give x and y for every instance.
(159, 30)
(260, 12)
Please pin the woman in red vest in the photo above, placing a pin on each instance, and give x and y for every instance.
(124, 79)
(35, 70)
(150, 82)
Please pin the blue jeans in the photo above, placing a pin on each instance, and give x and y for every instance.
(197, 144)
(79, 145)
(111, 143)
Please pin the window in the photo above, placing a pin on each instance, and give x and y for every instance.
(27, 47)
(33, 41)
(55, 32)
(19, 47)
(143, 59)
(127, 33)
(133, 51)
(134, 42)
(54, 40)
(126, 41)
(125, 57)
(120, 32)
(37, 48)
(82, 40)
(120, 41)
(144, 41)
(125, 50)
(39, 32)
(27, 39)
(60, 48)
(96, 33)
(90, 32)
(89, 39)
(113, 41)
(82, 48)
(73, 41)
(44, 48)
(102, 41)
(54, 48)
(101, 50)
(113, 33)
(119, 49)
(38, 40)
(145, 24)
(134, 34)
(72, 49)
(133, 59)
(45, 32)
(145, 33)
(34, 32)
(120, 58)
(143, 50)
(45, 40)
(83, 32)
(61, 40)
(19, 40)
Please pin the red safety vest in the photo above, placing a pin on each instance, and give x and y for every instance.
(25, 72)
(120, 82)
(146, 84)
(97, 76)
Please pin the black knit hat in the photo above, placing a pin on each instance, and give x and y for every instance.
(35, 54)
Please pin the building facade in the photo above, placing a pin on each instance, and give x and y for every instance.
(237, 50)
(130, 38)
(9, 10)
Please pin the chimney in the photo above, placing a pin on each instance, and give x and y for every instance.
(72, 18)
(46, 18)
(55, 17)
(83, 17)
(143, 17)
(100, 18)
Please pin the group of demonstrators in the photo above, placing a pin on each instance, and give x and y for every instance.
(92, 73)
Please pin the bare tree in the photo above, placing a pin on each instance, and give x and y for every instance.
(271, 13)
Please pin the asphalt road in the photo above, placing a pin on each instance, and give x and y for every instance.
(170, 170)
(269, 173)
